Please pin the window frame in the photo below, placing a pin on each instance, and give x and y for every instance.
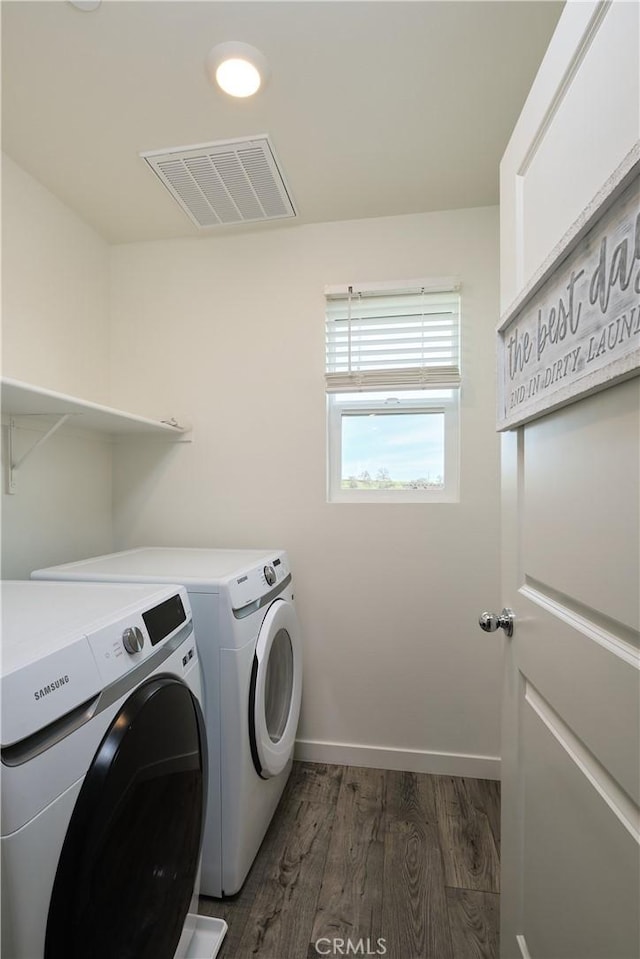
(350, 391)
(339, 405)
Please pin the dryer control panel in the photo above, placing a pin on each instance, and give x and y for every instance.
(250, 586)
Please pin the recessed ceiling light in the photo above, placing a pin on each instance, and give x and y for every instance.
(237, 68)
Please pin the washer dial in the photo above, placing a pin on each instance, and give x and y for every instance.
(133, 639)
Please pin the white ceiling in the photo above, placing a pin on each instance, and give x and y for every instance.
(374, 108)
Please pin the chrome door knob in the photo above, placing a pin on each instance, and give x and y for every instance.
(490, 622)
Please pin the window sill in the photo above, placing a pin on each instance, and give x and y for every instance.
(412, 497)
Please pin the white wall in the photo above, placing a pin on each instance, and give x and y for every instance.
(55, 291)
(228, 333)
(55, 322)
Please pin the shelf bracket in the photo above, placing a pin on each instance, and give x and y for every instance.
(14, 465)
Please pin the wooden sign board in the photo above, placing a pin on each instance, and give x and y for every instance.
(576, 329)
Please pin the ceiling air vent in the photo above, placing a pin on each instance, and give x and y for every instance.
(231, 181)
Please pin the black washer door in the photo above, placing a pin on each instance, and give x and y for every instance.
(130, 857)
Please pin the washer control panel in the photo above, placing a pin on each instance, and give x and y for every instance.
(119, 647)
(68, 641)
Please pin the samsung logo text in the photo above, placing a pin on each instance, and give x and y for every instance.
(51, 688)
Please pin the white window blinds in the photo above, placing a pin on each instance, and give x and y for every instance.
(404, 340)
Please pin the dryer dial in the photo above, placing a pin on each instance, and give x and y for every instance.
(133, 639)
(270, 575)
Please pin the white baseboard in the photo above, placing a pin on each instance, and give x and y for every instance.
(410, 760)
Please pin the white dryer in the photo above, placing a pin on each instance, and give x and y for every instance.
(250, 650)
(103, 774)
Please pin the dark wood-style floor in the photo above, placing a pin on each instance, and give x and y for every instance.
(360, 855)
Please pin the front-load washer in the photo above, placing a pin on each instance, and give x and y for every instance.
(104, 770)
(249, 643)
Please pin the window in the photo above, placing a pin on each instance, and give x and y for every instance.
(392, 380)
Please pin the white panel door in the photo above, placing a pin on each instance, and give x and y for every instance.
(571, 542)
